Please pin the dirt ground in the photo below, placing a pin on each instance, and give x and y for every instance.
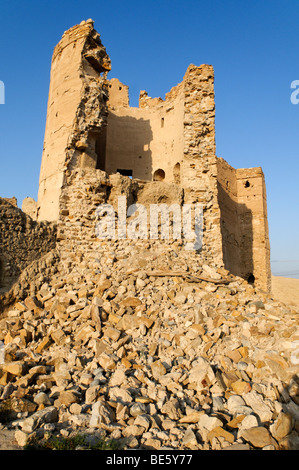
(7, 441)
(286, 289)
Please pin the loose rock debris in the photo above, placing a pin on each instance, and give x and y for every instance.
(154, 361)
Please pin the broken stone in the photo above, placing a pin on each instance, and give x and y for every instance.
(258, 436)
(58, 336)
(241, 387)
(158, 369)
(130, 302)
(42, 398)
(120, 394)
(112, 333)
(66, 398)
(15, 368)
(192, 417)
(282, 426)
(258, 405)
(40, 417)
(133, 430)
(107, 361)
(44, 344)
(137, 409)
(189, 439)
(22, 437)
(101, 414)
(219, 432)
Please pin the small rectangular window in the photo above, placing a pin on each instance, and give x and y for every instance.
(162, 122)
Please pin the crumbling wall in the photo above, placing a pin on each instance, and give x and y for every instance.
(230, 224)
(92, 134)
(199, 169)
(89, 190)
(254, 229)
(76, 109)
(22, 241)
(244, 224)
(171, 140)
(85, 190)
(146, 141)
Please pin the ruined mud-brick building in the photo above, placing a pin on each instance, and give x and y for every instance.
(97, 147)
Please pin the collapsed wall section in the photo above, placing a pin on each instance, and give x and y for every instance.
(81, 244)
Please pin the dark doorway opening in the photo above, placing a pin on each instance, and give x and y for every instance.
(100, 149)
(126, 172)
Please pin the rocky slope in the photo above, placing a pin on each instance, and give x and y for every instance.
(141, 344)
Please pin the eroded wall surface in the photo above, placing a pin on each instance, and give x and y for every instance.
(244, 223)
(76, 107)
(22, 241)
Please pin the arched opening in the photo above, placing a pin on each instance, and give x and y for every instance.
(159, 175)
(247, 184)
(250, 279)
(177, 173)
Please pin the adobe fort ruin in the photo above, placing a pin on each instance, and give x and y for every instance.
(91, 126)
(97, 147)
(140, 341)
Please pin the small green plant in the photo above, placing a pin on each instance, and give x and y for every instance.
(6, 411)
(107, 444)
(70, 443)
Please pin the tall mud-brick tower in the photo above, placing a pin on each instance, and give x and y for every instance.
(76, 111)
(93, 134)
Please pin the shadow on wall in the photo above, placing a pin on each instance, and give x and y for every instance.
(1, 274)
(237, 236)
(125, 147)
(9, 273)
(22, 240)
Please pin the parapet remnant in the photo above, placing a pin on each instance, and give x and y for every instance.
(93, 134)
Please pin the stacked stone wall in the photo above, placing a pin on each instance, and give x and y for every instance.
(22, 241)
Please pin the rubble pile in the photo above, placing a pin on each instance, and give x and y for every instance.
(157, 353)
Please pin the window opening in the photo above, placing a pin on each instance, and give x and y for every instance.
(159, 175)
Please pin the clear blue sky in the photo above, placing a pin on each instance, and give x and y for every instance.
(252, 45)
